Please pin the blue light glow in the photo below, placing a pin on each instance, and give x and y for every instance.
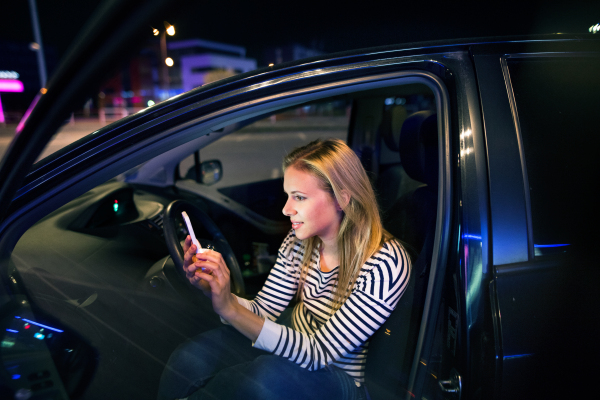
(12, 330)
(39, 336)
(550, 245)
(16, 376)
(43, 326)
(517, 356)
(466, 236)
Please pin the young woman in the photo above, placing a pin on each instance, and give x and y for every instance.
(346, 272)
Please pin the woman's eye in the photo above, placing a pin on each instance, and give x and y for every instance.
(299, 198)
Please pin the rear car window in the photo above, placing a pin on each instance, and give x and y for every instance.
(558, 113)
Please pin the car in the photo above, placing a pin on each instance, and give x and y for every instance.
(483, 156)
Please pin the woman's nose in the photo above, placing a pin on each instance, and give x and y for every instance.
(287, 210)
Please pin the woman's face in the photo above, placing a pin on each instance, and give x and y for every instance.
(312, 210)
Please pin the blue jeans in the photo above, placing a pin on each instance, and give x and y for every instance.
(222, 364)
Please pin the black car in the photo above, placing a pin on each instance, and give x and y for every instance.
(483, 156)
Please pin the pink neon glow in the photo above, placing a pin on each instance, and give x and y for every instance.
(11, 85)
(29, 109)
(2, 120)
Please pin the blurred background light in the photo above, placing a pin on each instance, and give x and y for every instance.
(9, 75)
(170, 30)
(11, 85)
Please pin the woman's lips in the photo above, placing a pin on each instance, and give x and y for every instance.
(296, 225)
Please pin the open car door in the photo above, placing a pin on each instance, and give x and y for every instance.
(39, 357)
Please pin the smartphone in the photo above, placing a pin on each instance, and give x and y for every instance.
(191, 231)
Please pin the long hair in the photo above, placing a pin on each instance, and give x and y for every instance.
(361, 233)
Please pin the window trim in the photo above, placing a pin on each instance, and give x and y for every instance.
(515, 115)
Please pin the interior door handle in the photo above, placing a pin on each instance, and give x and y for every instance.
(452, 385)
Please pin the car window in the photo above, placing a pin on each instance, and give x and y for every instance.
(557, 104)
(238, 152)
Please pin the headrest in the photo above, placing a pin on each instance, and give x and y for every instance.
(419, 147)
(391, 126)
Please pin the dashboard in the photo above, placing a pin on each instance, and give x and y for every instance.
(97, 264)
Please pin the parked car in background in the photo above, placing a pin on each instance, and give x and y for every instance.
(482, 153)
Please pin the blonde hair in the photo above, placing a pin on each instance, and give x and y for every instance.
(361, 233)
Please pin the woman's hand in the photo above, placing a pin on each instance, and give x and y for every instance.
(190, 268)
(210, 274)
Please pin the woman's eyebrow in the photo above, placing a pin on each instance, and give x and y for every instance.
(294, 192)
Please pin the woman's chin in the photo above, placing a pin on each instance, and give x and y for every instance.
(300, 235)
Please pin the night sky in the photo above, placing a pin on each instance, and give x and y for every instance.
(327, 25)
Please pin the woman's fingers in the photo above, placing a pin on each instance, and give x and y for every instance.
(219, 270)
(209, 273)
(187, 243)
(211, 255)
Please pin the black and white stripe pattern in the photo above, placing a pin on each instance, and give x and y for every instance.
(318, 339)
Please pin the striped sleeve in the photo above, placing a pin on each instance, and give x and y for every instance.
(382, 281)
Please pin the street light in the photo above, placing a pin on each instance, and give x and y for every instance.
(168, 61)
(170, 29)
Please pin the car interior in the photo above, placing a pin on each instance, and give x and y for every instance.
(105, 263)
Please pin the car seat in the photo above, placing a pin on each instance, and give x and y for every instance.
(412, 220)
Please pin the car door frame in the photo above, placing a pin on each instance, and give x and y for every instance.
(56, 187)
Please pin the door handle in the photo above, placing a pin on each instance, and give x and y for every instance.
(452, 385)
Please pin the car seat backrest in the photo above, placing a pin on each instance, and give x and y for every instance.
(410, 216)
(412, 220)
(419, 147)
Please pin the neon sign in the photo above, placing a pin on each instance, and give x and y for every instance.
(9, 83)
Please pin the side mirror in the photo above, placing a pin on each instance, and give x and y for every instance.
(40, 358)
(211, 172)
(208, 172)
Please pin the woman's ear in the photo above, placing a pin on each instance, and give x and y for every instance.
(344, 200)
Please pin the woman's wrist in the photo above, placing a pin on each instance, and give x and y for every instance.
(231, 310)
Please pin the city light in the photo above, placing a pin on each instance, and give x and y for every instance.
(11, 85)
(9, 75)
(170, 30)
(595, 28)
(155, 31)
(151, 103)
(169, 61)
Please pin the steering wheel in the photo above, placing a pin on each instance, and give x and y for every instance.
(221, 245)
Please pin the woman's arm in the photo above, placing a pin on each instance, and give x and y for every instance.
(210, 274)
(211, 269)
(343, 336)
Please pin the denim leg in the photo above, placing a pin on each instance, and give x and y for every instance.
(197, 360)
(271, 377)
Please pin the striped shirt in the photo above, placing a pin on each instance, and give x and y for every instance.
(317, 338)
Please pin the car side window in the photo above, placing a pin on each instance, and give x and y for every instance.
(557, 104)
(251, 156)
